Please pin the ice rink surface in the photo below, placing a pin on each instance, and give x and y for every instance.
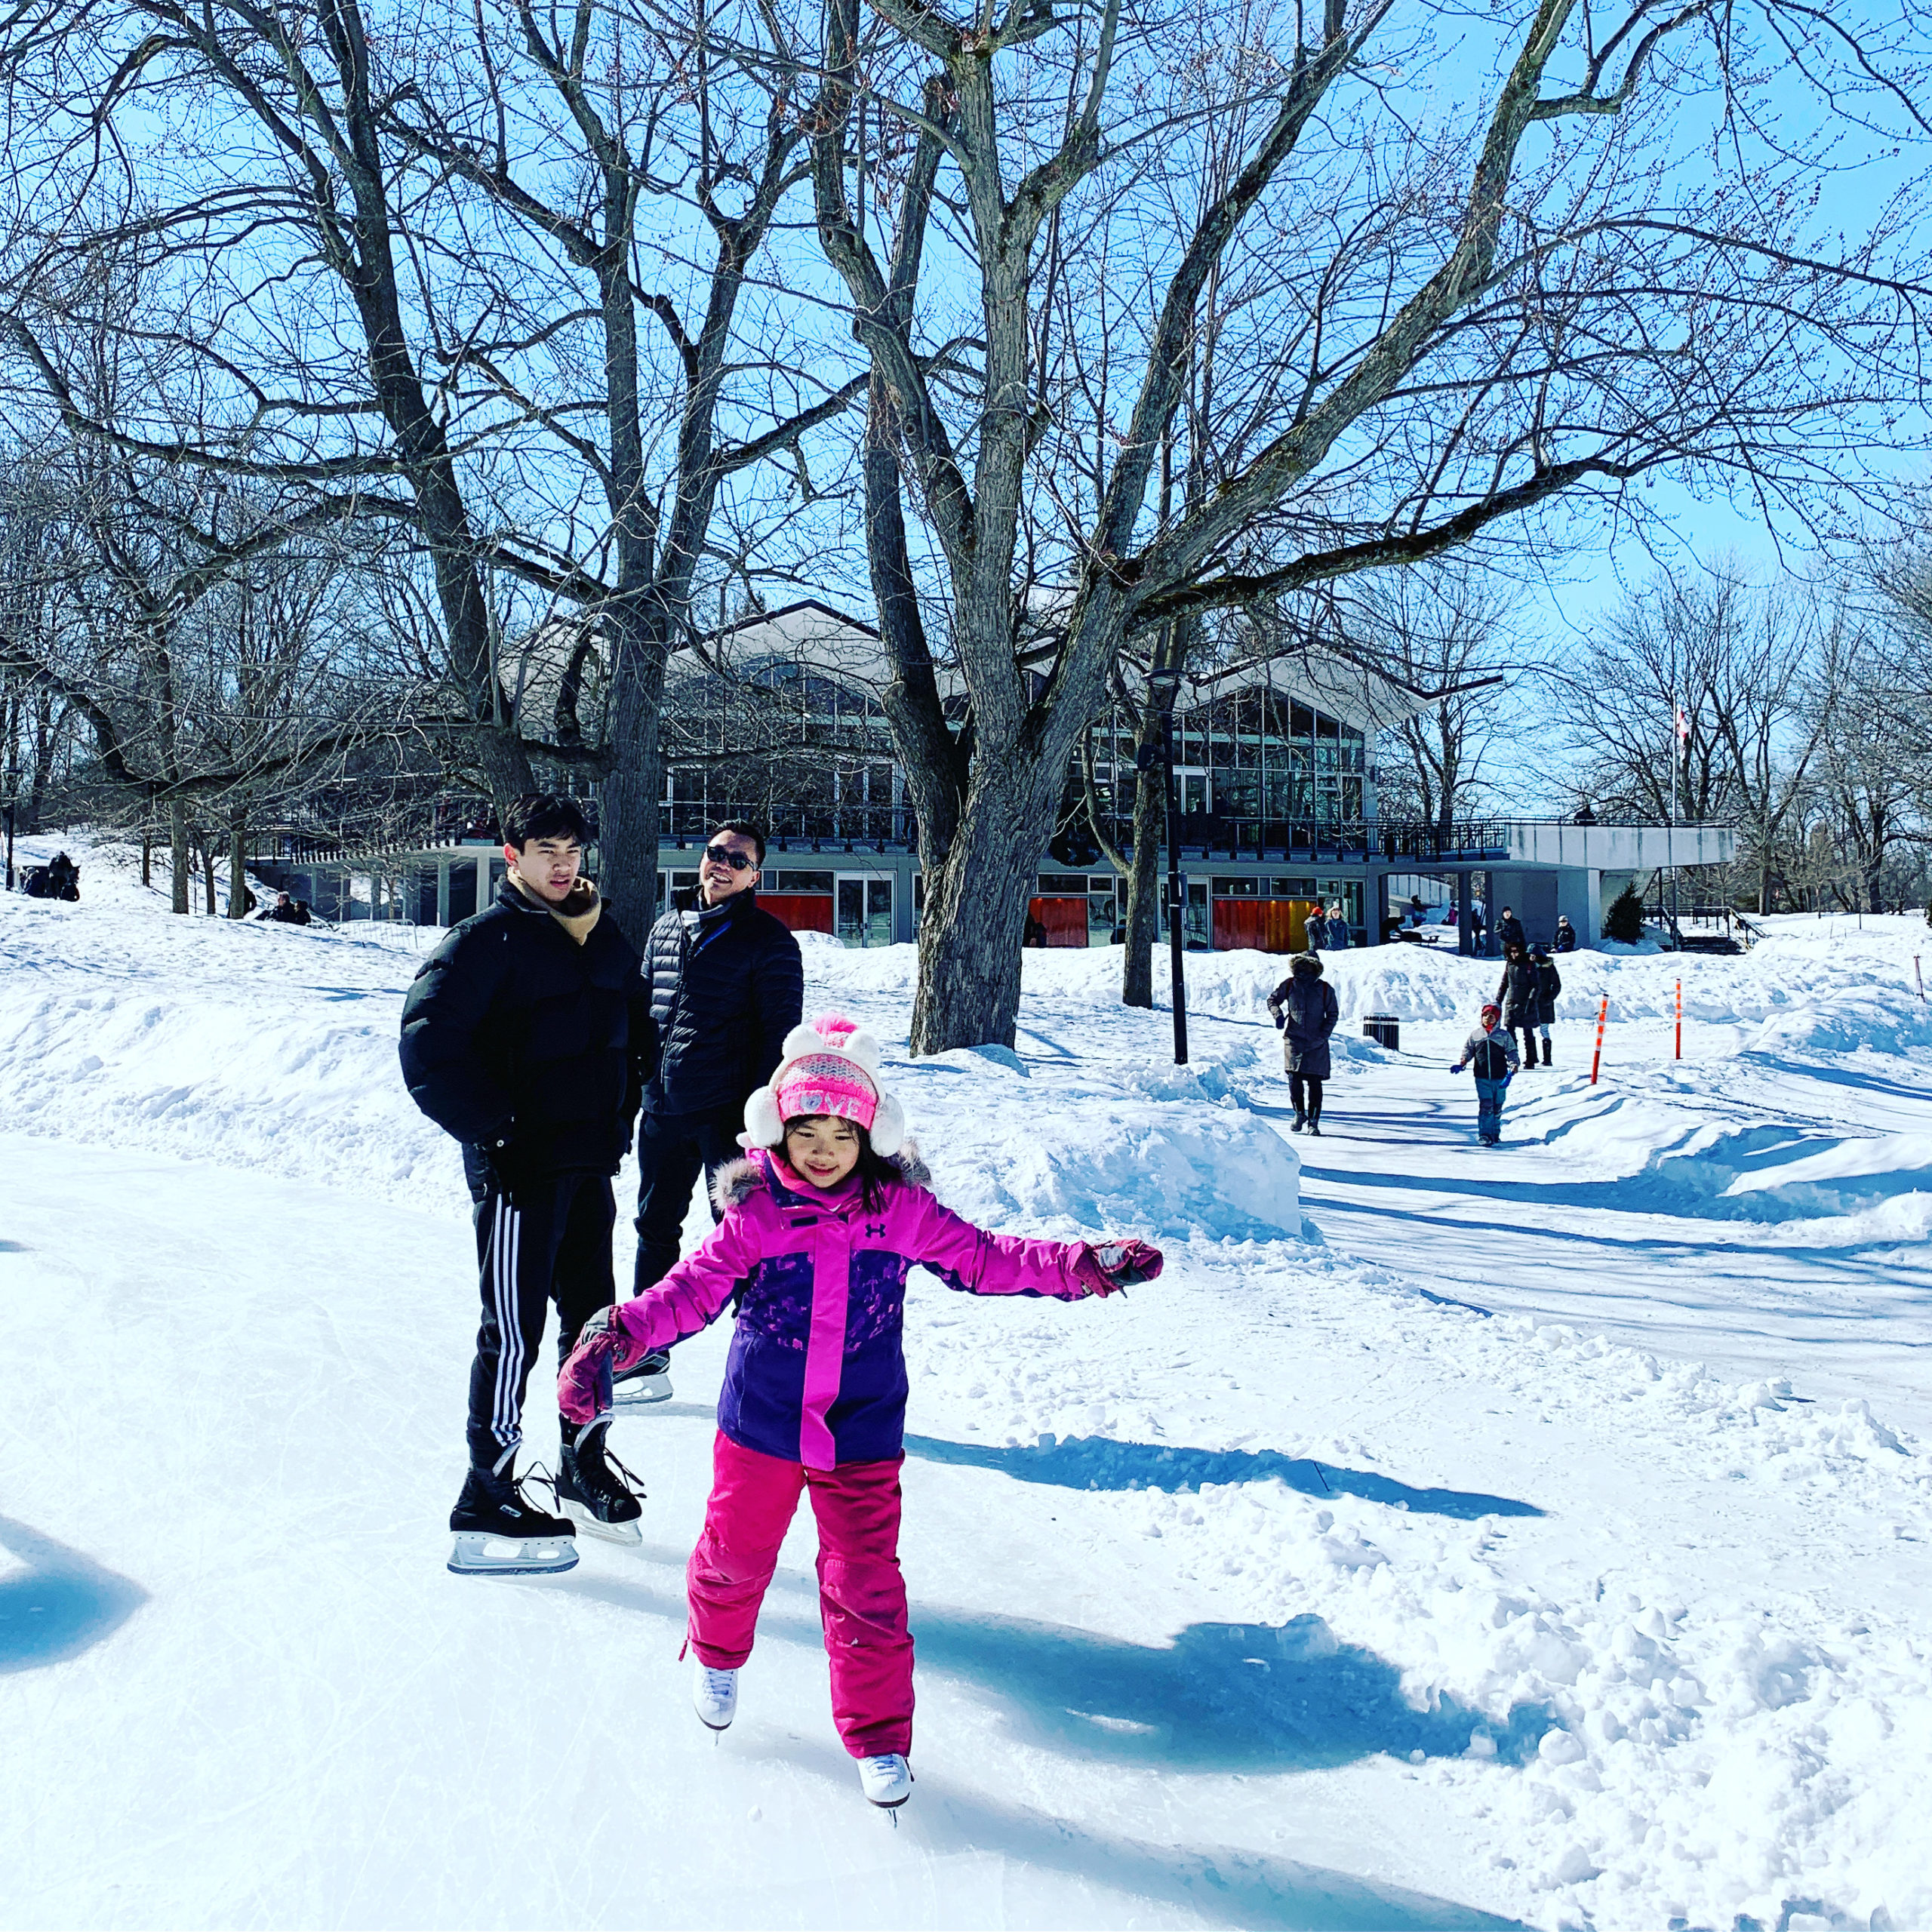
(1450, 1537)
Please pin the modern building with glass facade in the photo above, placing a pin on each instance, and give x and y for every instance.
(778, 721)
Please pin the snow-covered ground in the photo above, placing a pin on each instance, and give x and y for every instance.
(1450, 1537)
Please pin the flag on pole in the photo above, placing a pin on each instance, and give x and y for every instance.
(1683, 728)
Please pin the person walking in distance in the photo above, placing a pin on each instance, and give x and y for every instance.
(1491, 1053)
(1566, 934)
(820, 1226)
(1341, 935)
(1549, 983)
(1303, 1006)
(1510, 932)
(726, 985)
(1521, 1000)
(526, 1036)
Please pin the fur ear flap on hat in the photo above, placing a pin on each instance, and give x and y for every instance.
(763, 1128)
(888, 1126)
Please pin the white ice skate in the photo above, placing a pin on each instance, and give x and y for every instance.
(713, 1695)
(886, 1780)
(648, 1383)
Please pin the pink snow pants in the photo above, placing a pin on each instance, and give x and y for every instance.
(861, 1593)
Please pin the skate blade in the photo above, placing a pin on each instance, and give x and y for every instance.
(645, 1393)
(478, 1553)
(579, 1513)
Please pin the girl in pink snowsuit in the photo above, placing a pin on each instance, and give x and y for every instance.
(821, 1224)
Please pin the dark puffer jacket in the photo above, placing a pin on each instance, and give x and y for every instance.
(1305, 1004)
(1549, 983)
(1516, 993)
(514, 1033)
(722, 999)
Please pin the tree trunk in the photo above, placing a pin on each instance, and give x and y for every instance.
(237, 867)
(1143, 878)
(205, 857)
(177, 853)
(147, 855)
(628, 818)
(970, 938)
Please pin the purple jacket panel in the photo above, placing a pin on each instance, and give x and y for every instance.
(817, 1370)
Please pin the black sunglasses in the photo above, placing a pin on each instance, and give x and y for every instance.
(723, 855)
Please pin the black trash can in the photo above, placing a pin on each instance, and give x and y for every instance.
(1384, 1029)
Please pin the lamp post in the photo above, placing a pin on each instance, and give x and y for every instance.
(1164, 680)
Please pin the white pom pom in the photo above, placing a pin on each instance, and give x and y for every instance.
(762, 1125)
(863, 1048)
(804, 1038)
(888, 1126)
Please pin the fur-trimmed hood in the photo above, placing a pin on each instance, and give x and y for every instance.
(738, 1180)
(1306, 966)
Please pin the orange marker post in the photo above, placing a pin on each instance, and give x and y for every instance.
(1917, 968)
(1596, 1058)
(1680, 1019)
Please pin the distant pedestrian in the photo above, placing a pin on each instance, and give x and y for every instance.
(1303, 1006)
(1566, 934)
(1341, 934)
(1510, 932)
(1549, 983)
(1491, 1054)
(59, 879)
(1517, 991)
(286, 912)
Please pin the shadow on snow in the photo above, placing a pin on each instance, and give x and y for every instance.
(1223, 1884)
(1219, 1698)
(62, 1604)
(1094, 1462)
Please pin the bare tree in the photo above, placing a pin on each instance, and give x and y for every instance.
(1736, 664)
(1873, 759)
(590, 144)
(1445, 321)
(1453, 630)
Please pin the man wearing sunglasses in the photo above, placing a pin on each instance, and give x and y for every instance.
(727, 985)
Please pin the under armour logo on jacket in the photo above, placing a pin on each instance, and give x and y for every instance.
(876, 1229)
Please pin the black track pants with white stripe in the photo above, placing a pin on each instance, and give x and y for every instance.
(551, 1243)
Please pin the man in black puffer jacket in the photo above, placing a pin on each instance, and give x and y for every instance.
(527, 1036)
(727, 985)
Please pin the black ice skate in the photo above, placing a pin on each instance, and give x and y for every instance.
(498, 1534)
(590, 1491)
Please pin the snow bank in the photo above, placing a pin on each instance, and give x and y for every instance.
(275, 1047)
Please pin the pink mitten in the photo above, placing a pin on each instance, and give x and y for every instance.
(1116, 1264)
(604, 1348)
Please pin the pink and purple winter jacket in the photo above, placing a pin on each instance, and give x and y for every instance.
(817, 1373)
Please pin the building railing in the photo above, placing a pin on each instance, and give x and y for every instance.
(893, 828)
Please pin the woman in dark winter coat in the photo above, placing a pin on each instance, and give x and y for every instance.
(1304, 1007)
(1549, 983)
(1516, 993)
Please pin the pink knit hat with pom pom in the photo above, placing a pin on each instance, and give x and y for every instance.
(830, 1067)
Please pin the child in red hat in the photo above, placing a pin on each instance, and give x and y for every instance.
(1492, 1053)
